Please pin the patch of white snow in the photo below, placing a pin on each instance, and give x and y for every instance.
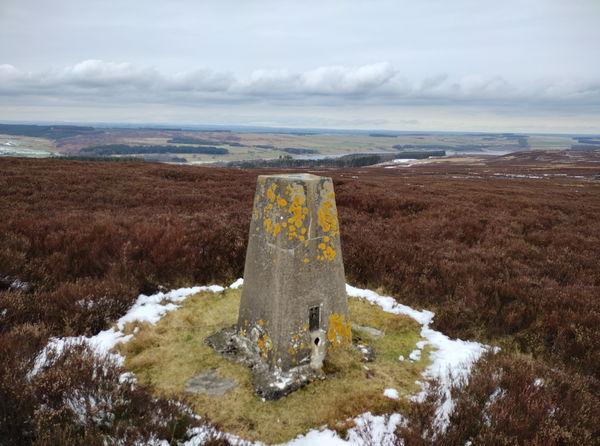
(415, 355)
(238, 283)
(391, 393)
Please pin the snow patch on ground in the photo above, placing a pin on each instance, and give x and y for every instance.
(145, 309)
(455, 356)
(415, 355)
(238, 283)
(391, 393)
(449, 356)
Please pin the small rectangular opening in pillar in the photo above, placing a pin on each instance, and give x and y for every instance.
(314, 318)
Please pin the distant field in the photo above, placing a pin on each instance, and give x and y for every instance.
(550, 142)
(26, 146)
(73, 140)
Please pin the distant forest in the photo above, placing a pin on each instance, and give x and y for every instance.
(288, 161)
(588, 140)
(587, 143)
(200, 141)
(292, 150)
(420, 154)
(47, 131)
(123, 149)
(191, 140)
(586, 146)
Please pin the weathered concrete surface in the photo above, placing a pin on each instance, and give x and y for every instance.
(210, 382)
(269, 382)
(370, 331)
(294, 275)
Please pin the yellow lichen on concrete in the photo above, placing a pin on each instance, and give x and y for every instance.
(328, 221)
(277, 209)
(339, 332)
(329, 253)
(265, 345)
(297, 210)
(276, 229)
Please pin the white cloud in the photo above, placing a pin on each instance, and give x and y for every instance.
(373, 95)
(343, 80)
(97, 73)
(371, 84)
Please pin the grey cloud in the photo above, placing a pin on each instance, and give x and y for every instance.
(373, 84)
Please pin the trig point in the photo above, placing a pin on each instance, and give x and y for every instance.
(294, 307)
(294, 288)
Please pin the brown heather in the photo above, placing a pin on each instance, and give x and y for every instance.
(507, 261)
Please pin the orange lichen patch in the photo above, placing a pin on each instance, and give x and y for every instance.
(306, 260)
(328, 221)
(277, 207)
(339, 332)
(327, 250)
(297, 208)
(267, 223)
(327, 213)
(265, 345)
(260, 322)
(329, 253)
(295, 219)
(327, 217)
(297, 211)
(276, 229)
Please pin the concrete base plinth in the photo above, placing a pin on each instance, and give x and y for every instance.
(269, 382)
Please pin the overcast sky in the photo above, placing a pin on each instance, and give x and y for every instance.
(473, 65)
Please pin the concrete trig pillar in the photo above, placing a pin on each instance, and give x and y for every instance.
(294, 305)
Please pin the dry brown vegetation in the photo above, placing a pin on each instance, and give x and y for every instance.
(505, 260)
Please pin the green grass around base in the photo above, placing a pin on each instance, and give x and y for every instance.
(167, 355)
